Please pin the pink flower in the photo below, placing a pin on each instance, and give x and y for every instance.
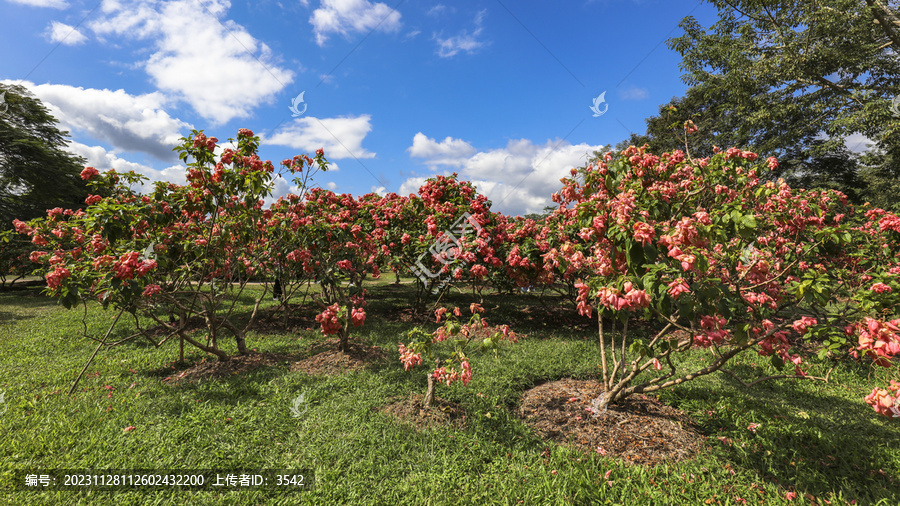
(55, 278)
(790, 496)
(657, 364)
(409, 358)
(466, 375)
(128, 429)
(151, 290)
(358, 317)
(643, 232)
(89, 172)
(329, 320)
(801, 325)
(752, 427)
(678, 287)
(320, 152)
(880, 288)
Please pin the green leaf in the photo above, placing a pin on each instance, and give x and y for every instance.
(777, 362)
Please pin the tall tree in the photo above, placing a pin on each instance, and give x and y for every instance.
(793, 80)
(827, 65)
(36, 173)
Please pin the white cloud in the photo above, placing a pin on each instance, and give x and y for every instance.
(379, 190)
(518, 178)
(465, 41)
(63, 33)
(858, 143)
(437, 10)
(213, 64)
(339, 137)
(103, 160)
(135, 123)
(55, 4)
(331, 185)
(345, 16)
(450, 151)
(633, 93)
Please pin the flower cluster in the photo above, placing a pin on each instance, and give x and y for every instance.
(442, 375)
(330, 320)
(883, 402)
(878, 338)
(634, 299)
(408, 357)
(130, 264)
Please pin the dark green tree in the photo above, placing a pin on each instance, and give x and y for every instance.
(775, 77)
(36, 173)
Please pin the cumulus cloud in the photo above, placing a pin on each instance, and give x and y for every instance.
(858, 143)
(345, 16)
(450, 151)
(213, 64)
(331, 185)
(103, 160)
(464, 41)
(340, 137)
(65, 34)
(54, 4)
(135, 123)
(518, 178)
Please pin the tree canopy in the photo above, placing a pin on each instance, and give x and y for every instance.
(36, 173)
(793, 80)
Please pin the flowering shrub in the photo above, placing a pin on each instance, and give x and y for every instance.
(461, 335)
(178, 248)
(705, 248)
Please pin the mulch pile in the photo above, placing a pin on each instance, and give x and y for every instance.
(638, 430)
(237, 365)
(441, 413)
(328, 359)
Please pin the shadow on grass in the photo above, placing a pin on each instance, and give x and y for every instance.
(816, 441)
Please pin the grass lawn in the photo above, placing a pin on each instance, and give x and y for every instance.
(819, 440)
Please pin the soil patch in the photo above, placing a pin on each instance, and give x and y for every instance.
(237, 365)
(290, 318)
(441, 413)
(328, 359)
(638, 430)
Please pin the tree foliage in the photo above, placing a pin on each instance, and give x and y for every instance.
(793, 80)
(36, 173)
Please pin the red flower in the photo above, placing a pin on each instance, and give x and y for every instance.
(89, 172)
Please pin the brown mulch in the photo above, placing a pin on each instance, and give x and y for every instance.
(638, 430)
(330, 360)
(441, 413)
(217, 369)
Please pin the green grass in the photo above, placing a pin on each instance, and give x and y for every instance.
(815, 438)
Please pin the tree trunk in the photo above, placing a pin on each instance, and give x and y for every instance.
(429, 394)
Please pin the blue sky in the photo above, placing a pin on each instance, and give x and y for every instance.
(498, 91)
